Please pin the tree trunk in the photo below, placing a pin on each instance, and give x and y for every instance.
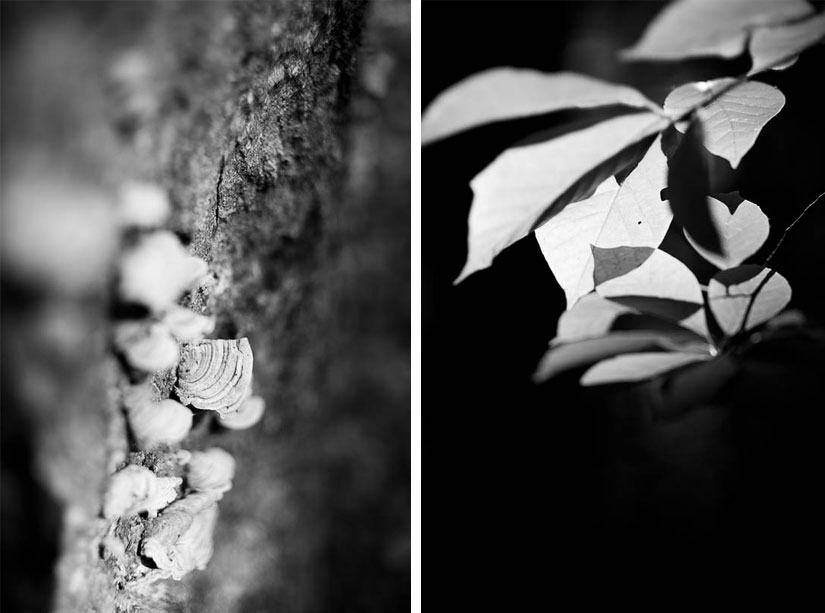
(280, 131)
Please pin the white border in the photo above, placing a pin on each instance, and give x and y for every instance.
(415, 296)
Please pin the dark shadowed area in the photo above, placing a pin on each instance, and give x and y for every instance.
(550, 491)
(280, 131)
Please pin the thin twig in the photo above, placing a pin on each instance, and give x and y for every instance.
(793, 223)
(767, 261)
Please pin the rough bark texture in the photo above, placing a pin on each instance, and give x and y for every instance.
(281, 131)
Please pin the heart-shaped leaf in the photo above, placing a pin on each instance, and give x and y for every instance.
(776, 46)
(690, 28)
(733, 121)
(750, 294)
(526, 185)
(631, 215)
(638, 366)
(572, 355)
(510, 93)
(742, 233)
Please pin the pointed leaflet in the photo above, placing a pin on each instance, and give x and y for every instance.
(660, 276)
(742, 233)
(510, 93)
(573, 355)
(664, 277)
(688, 187)
(590, 317)
(733, 121)
(525, 185)
(632, 214)
(770, 47)
(690, 28)
(638, 366)
(747, 291)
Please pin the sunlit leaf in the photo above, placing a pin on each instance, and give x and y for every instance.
(572, 355)
(742, 233)
(691, 28)
(638, 366)
(675, 290)
(510, 93)
(733, 121)
(746, 291)
(526, 185)
(776, 46)
(660, 276)
(591, 316)
(631, 215)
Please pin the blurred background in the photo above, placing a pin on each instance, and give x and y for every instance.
(280, 132)
(547, 492)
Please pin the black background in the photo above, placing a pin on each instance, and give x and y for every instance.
(528, 491)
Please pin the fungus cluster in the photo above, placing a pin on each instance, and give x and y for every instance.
(175, 508)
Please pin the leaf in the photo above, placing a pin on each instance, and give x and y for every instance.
(572, 355)
(733, 121)
(590, 317)
(774, 47)
(631, 215)
(742, 233)
(526, 185)
(691, 28)
(661, 276)
(688, 187)
(638, 366)
(731, 292)
(618, 261)
(510, 93)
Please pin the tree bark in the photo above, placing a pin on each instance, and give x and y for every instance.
(288, 173)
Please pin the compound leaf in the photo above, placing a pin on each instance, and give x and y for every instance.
(526, 185)
(630, 215)
(511, 93)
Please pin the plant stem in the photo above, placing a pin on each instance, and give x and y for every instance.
(768, 259)
(793, 223)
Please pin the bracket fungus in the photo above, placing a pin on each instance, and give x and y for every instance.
(158, 270)
(142, 205)
(214, 375)
(250, 413)
(210, 471)
(146, 346)
(210, 374)
(155, 421)
(186, 325)
(135, 490)
(164, 533)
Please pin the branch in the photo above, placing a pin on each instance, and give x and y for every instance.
(793, 223)
(768, 259)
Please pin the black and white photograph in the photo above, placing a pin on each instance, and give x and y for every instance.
(206, 306)
(275, 272)
(622, 317)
